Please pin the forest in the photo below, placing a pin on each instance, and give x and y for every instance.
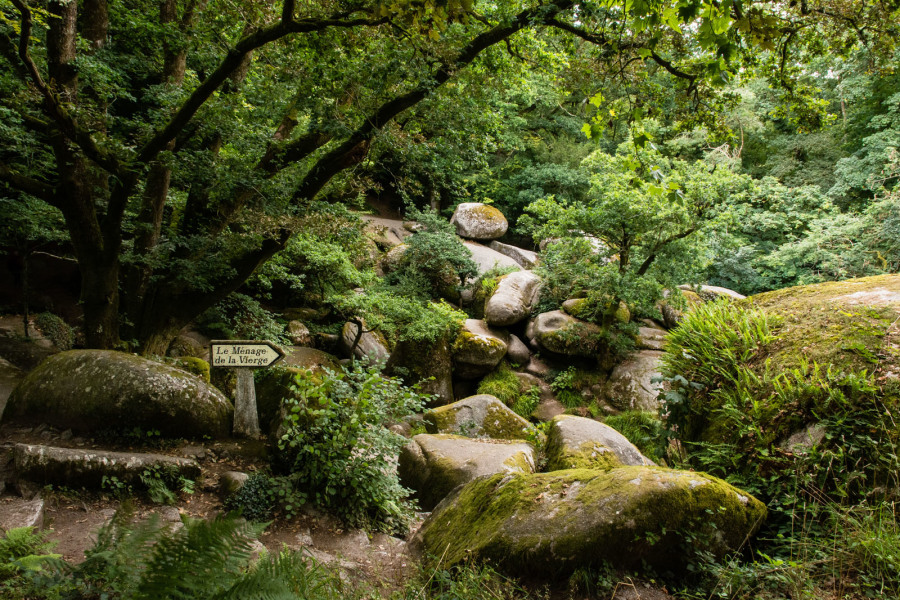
(297, 172)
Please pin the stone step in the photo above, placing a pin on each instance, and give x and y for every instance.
(80, 468)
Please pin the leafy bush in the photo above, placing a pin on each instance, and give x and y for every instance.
(57, 331)
(255, 500)
(336, 447)
(436, 263)
(830, 516)
(22, 550)
(241, 317)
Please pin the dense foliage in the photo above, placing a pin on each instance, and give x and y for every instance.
(336, 450)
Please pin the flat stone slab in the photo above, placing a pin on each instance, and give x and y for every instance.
(487, 259)
(78, 468)
(526, 258)
(18, 512)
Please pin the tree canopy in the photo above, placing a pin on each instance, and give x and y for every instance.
(185, 141)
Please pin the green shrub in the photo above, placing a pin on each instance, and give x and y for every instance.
(255, 500)
(337, 449)
(57, 331)
(502, 383)
(241, 317)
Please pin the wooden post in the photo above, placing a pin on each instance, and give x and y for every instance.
(246, 420)
(243, 356)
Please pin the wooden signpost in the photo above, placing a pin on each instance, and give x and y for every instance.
(244, 356)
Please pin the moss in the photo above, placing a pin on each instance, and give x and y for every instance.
(502, 383)
(827, 324)
(497, 423)
(556, 522)
(196, 366)
(477, 346)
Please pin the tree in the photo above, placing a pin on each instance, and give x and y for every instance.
(178, 138)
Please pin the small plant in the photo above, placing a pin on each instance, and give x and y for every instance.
(163, 485)
(502, 383)
(115, 486)
(526, 403)
(643, 429)
(57, 331)
(255, 500)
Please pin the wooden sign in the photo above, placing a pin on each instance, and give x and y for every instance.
(253, 354)
(244, 355)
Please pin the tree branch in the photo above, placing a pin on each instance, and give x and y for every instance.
(53, 107)
(354, 148)
(27, 184)
(232, 60)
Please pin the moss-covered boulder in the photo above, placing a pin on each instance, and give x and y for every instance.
(478, 349)
(712, 292)
(426, 364)
(481, 416)
(487, 258)
(477, 221)
(560, 333)
(513, 298)
(89, 390)
(433, 465)
(631, 384)
(581, 443)
(553, 523)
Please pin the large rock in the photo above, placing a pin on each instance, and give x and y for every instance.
(488, 259)
(89, 390)
(630, 385)
(18, 512)
(553, 523)
(10, 376)
(426, 364)
(564, 334)
(301, 357)
(513, 298)
(478, 349)
(481, 416)
(526, 258)
(651, 338)
(392, 258)
(477, 221)
(517, 352)
(582, 443)
(386, 233)
(299, 333)
(78, 468)
(433, 465)
(371, 345)
(712, 292)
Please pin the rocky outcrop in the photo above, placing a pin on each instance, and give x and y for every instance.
(77, 468)
(553, 523)
(477, 221)
(630, 385)
(433, 465)
(582, 443)
(19, 512)
(564, 334)
(513, 298)
(525, 258)
(90, 390)
(481, 416)
(391, 260)
(427, 364)
(478, 349)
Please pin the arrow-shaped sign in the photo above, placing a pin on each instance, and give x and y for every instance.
(253, 354)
